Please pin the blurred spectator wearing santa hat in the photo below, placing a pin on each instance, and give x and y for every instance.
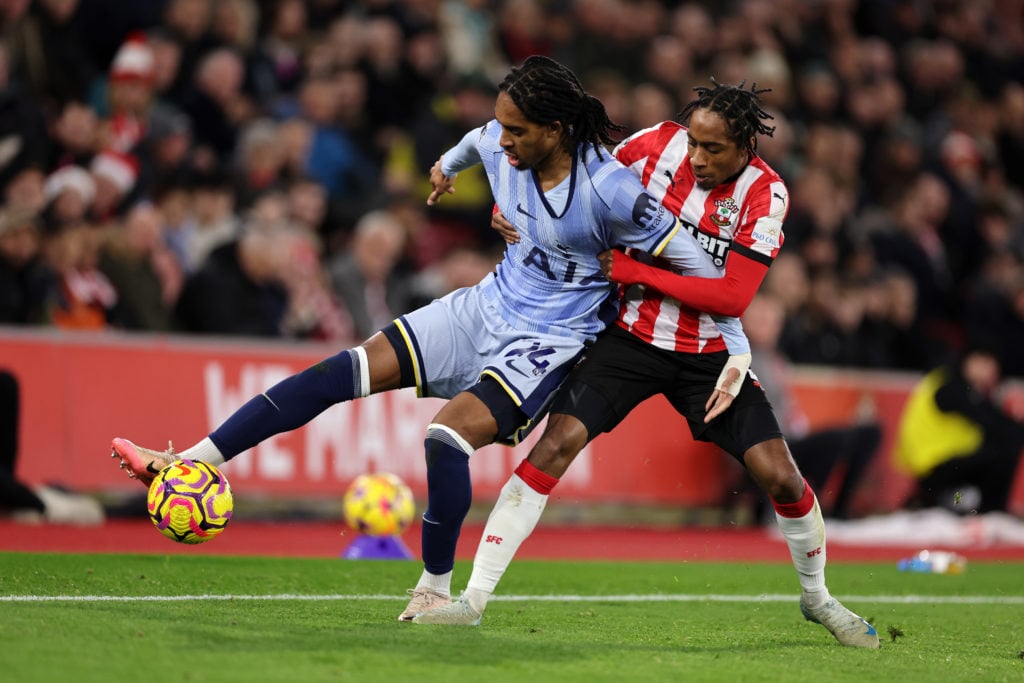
(129, 93)
(115, 175)
(70, 191)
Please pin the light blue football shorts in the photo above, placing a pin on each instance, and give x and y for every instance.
(461, 339)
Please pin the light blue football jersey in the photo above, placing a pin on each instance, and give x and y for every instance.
(551, 280)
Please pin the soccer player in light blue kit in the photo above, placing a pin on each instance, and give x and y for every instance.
(500, 349)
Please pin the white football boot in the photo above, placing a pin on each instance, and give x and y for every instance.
(458, 613)
(423, 600)
(848, 628)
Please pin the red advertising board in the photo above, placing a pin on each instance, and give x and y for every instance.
(80, 390)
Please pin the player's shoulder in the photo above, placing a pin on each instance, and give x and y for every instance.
(768, 175)
(489, 135)
(765, 194)
(767, 180)
(644, 140)
(605, 174)
(662, 127)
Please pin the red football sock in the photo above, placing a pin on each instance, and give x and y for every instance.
(800, 507)
(541, 482)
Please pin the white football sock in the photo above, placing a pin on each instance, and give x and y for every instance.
(205, 450)
(439, 583)
(513, 518)
(805, 537)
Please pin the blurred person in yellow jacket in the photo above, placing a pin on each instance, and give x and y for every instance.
(956, 440)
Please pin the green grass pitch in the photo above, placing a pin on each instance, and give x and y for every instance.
(155, 618)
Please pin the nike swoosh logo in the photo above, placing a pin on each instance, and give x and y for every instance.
(510, 366)
(151, 469)
(575, 396)
(523, 211)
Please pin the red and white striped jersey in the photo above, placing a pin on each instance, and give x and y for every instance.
(742, 215)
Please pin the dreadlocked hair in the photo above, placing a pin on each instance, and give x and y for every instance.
(740, 108)
(546, 92)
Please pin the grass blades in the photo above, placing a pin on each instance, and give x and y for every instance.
(276, 619)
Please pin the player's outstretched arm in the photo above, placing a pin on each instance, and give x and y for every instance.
(729, 295)
(441, 183)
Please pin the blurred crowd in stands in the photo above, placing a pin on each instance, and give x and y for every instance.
(260, 167)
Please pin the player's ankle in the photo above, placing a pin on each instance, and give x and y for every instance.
(815, 597)
(477, 599)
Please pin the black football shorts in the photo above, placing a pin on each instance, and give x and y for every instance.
(620, 371)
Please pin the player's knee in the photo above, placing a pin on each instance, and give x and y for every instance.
(544, 456)
(557, 448)
(786, 488)
(774, 470)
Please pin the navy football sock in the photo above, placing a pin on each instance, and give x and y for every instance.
(291, 403)
(449, 494)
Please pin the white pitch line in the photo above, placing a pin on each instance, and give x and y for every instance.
(879, 599)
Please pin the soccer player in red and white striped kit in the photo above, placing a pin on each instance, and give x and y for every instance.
(705, 169)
